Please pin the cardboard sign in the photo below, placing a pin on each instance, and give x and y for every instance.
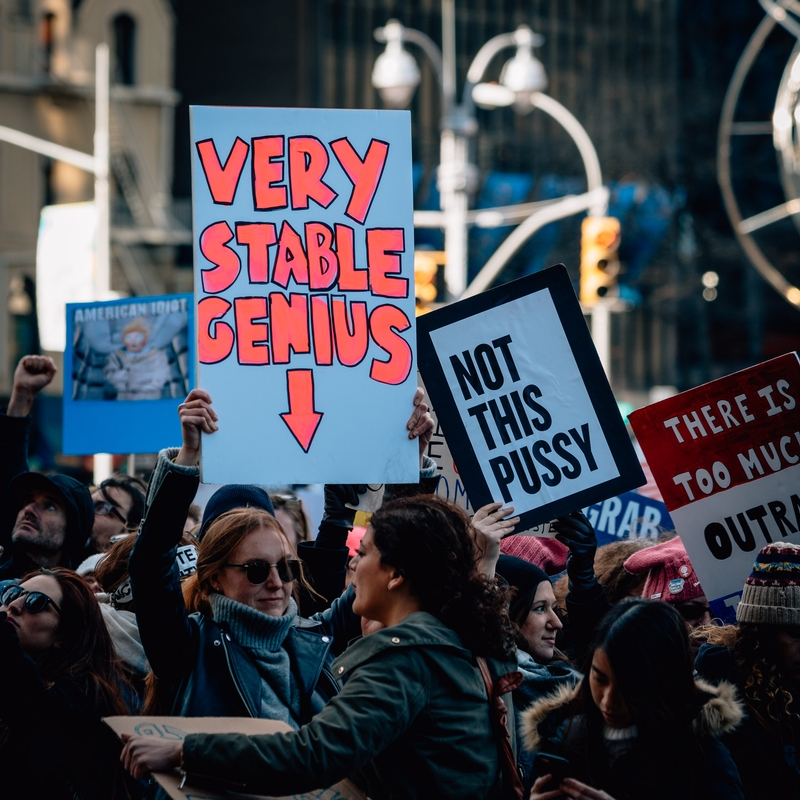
(630, 515)
(726, 457)
(521, 394)
(131, 363)
(303, 240)
(177, 729)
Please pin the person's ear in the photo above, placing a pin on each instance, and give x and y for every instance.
(396, 581)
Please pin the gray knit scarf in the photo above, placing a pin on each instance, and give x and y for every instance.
(262, 637)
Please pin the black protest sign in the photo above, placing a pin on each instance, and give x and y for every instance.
(523, 400)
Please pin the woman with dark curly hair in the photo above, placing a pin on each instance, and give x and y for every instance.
(762, 657)
(60, 678)
(412, 719)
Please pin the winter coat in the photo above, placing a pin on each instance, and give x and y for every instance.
(755, 745)
(201, 669)
(412, 721)
(53, 744)
(547, 728)
(538, 681)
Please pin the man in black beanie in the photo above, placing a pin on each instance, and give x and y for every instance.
(45, 520)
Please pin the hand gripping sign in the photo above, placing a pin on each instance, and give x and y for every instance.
(726, 457)
(303, 229)
(523, 400)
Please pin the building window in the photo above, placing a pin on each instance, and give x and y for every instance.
(124, 49)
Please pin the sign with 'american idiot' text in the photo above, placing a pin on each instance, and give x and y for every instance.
(726, 457)
(523, 400)
(303, 238)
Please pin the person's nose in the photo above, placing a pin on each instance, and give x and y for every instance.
(16, 607)
(273, 579)
(553, 621)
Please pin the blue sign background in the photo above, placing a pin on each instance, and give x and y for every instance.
(124, 426)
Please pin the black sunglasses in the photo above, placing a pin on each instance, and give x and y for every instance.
(103, 508)
(257, 572)
(34, 601)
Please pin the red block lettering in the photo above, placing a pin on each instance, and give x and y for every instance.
(291, 258)
(351, 340)
(350, 278)
(214, 246)
(364, 175)
(267, 172)
(289, 319)
(321, 327)
(386, 323)
(308, 161)
(257, 236)
(222, 181)
(384, 246)
(213, 346)
(323, 266)
(251, 336)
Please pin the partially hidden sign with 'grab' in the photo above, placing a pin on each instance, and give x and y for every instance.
(303, 238)
(726, 457)
(522, 398)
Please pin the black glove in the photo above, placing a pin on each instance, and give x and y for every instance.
(576, 532)
(337, 518)
(337, 495)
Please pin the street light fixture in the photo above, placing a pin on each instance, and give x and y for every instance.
(396, 76)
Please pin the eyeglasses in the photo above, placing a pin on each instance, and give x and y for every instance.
(257, 572)
(692, 611)
(34, 603)
(103, 508)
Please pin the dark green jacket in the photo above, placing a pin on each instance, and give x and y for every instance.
(412, 721)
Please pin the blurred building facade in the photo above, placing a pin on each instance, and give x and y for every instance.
(645, 77)
(47, 66)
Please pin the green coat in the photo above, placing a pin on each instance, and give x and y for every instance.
(412, 721)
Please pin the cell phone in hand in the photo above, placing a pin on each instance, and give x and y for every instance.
(551, 764)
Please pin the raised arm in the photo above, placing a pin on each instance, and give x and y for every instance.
(167, 634)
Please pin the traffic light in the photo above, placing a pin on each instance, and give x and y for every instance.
(600, 238)
(426, 269)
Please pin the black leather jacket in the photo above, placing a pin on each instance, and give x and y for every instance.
(201, 669)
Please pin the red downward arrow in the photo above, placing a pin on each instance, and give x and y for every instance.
(301, 418)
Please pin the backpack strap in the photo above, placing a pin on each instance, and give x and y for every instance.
(495, 691)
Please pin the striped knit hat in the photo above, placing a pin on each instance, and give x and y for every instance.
(771, 594)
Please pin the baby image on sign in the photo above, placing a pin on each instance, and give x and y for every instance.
(133, 351)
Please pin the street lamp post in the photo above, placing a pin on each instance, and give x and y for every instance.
(522, 79)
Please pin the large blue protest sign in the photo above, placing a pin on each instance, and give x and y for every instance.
(629, 515)
(128, 364)
(303, 239)
(523, 400)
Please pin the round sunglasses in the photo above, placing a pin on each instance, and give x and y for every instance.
(34, 601)
(257, 572)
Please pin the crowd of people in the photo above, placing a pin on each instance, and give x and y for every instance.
(459, 661)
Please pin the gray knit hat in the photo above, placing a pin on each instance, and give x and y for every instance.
(771, 594)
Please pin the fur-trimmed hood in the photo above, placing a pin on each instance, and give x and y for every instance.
(719, 715)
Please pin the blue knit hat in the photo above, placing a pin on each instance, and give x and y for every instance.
(234, 495)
